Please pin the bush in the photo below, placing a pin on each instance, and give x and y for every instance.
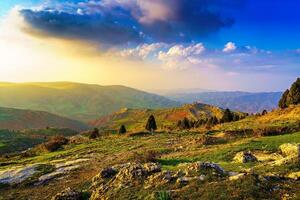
(54, 144)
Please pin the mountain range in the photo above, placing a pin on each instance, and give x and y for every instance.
(241, 101)
(78, 101)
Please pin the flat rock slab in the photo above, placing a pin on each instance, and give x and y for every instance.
(18, 174)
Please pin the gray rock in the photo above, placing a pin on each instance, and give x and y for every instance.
(245, 157)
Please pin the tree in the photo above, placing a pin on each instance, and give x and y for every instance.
(185, 124)
(293, 97)
(151, 124)
(122, 129)
(228, 116)
(264, 112)
(283, 101)
(215, 120)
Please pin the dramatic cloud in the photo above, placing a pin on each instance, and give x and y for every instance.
(119, 22)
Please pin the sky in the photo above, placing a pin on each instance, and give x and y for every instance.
(248, 45)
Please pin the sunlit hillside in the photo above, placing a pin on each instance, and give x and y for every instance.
(77, 101)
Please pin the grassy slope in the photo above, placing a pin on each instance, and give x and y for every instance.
(13, 141)
(118, 149)
(277, 118)
(135, 119)
(17, 119)
(77, 101)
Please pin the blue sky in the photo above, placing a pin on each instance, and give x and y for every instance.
(239, 39)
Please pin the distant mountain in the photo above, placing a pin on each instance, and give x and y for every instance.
(83, 102)
(241, 101)
(17, 119)
(135, 119)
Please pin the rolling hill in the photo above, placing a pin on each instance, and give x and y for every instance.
(135, 119)
(83, 102)
(241, 101)
(18, 119)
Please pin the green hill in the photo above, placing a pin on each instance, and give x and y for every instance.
(18, 119)
(135, 119)
(83, 102)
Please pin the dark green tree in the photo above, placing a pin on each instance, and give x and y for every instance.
(185, 124)
(151, 124)
(283, 101)
(215, 120)
(228, 116)
(264, 112)
(122, 130)
(293, 97)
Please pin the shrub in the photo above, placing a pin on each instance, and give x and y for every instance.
(94, 134)
(54, 143)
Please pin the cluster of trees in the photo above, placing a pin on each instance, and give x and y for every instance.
(291, 96)
(211, 121)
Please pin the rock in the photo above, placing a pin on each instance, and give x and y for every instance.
(193, 169)
(127, 175)
(236, 176)
(212, 166)
(17, 175)
(68, 194)
(159, 179)
(289, 149)
(108, 172)
(244, 157)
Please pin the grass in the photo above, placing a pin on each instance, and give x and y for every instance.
(174, 148)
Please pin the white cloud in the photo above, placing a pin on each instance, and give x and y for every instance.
(180, 57)
(229, 47)
(142, 51)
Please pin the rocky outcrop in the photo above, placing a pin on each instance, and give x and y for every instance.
(68, 194)
(244, 157)
(149, 175)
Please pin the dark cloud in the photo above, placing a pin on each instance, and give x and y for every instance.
(104, 30)
(116, 23)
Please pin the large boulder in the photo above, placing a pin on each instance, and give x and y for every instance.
(244, 157)
(68, 194)
(122, 176)
(290, 149)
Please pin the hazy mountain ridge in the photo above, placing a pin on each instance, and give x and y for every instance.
(77, 101)
(241, 101)
(19, 119)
